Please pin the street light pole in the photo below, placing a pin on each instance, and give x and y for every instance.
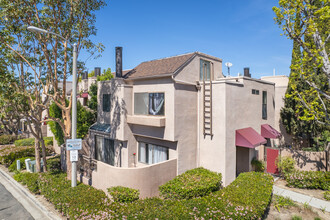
(74, 112)
(74, 95)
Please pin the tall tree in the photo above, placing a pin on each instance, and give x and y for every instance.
(313, 67)
(52, 55)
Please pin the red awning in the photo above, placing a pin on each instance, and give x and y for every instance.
(248, 137)
(268, 131)
(84, 95)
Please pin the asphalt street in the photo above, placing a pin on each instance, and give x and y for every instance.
(10, 208)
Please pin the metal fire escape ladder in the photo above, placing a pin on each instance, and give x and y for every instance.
(207, 101)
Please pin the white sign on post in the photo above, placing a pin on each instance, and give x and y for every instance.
(73, 144)
(73, 155)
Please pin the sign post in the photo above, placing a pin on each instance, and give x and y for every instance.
(73, 145)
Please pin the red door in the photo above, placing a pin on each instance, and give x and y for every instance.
(272, 155)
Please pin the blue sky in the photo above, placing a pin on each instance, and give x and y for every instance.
(242, 32)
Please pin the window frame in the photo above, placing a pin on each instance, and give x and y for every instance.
(103, 150)
(148, 93)
(104, 109)
(147, 153)
(200, 72)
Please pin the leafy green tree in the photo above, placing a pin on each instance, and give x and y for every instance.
(313, 67)
(106, 75)
(46, 57)
(55, 112)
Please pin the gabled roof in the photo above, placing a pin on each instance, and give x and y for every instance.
(163, 67)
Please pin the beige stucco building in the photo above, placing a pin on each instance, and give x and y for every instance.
(170, 115)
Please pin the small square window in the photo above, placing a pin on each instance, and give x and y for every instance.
(253, 91)
(257, 92)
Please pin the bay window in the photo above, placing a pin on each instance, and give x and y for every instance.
(151, 153)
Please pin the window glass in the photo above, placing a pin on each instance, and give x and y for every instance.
(149, 103)
(151, 154)
(106, 102)
(264, 105)
(141, 103)
(156, 103)
(104, 150)
(204, 70)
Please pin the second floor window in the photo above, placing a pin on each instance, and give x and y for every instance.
(106, 102)
(149, 103)
(205, 72)
(264, 104)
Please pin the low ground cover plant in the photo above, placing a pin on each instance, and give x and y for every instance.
(123, 194)
(31, 141)
(245, 198)
(7, 139)
(326, 195)
(282, 202)
(193, 183)
(309, 180)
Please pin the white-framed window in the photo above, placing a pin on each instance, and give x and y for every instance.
(149, 103)
(151, 153)
(104, 150)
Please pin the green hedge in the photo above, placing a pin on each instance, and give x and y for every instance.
(309, 179)
(193, 183)
(245, 198)
(7, 139)
(9, 154)
(13, 166)
(123, 194)
(30, 142)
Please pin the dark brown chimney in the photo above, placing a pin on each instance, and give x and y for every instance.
(85, 75)
(97, 71)
(247, 72)
(119, 62)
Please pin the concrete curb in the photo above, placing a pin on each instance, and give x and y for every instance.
(301, 198)
(28, 201)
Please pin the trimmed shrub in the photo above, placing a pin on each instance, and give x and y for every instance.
(9, 154)
(326, 195)
(193, 183)
(258, 165)
(309, 180)
(245, 198)
(30, 142)
(7, 139)
(13, 166)
(285, 165)
(54, 164)
(123, 194)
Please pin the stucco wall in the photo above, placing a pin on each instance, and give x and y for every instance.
(146, 179)
(186, 126)
(305, 160)
(281, 84)
(166, 86)
(191, 72)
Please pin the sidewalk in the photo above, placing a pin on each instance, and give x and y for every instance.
(28, 201)
(301, 198)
